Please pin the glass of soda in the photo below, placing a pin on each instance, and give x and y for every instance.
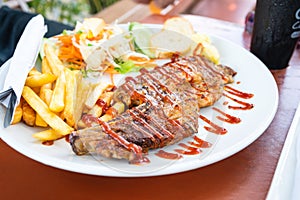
(276, 31)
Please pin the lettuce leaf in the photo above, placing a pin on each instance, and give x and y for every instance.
(125, 66)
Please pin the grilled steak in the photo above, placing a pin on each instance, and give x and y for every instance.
(162, 108)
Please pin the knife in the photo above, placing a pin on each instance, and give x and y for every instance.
(16, 69)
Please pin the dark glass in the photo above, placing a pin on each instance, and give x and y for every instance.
(276, 31)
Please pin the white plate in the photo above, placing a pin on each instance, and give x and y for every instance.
(285, 174)
(254, 78)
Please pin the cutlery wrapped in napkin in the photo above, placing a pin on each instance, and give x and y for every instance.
(15, 70)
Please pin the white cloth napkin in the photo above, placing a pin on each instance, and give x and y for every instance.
(13, 73)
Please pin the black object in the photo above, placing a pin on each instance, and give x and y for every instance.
(276, 31)
(12, 24)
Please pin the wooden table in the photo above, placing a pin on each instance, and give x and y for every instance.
(245, 175)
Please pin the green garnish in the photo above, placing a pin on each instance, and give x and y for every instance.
(65, 32)
(79, 32)
(125, 66)
(84, 73)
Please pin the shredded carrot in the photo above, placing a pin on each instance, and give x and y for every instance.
(111, 70)
(68, 52)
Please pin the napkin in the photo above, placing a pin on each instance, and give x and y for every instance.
(15, 70)
(12, 24)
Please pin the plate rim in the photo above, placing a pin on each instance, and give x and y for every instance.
(194, 165)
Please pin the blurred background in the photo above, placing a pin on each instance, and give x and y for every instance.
(122, 11)
(66, 11)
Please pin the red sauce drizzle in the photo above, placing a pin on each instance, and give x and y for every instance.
(225, 79)
(225, 103)
(130, 146)
(170, 75)
(162, 86)
(112, 112)
(189, 150)
(186, 73)
(141, 130)
(187, 66)
(168, 155)
(175, 122)
(48, 142)
(238, 93)
(229, 118)
(238, 82)
(146, 125)
(138, 96)
(88, 119)
(153, 86)
(67, 138)
(200, 143)
(214, 128)
(149, 118)
(102, 104)
(246, 106)
(129, 78)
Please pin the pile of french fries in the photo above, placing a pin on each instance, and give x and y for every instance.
(55, 98)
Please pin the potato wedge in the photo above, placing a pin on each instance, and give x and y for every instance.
(47, 135)
(57, 103)
(42, 109)
(39, 80)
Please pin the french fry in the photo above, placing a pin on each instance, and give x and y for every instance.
(47, 135)
(95, 94)
(57, 103)
(83, 91)
(28, 114)
(39, 121)
(54, 62)
(97, 110)
(46, 69)
(45, 66)
(34, 71)
(18, 114)
(43, 110)
(46, 95)
(70, 97)
(39, 80)
(116, 109)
